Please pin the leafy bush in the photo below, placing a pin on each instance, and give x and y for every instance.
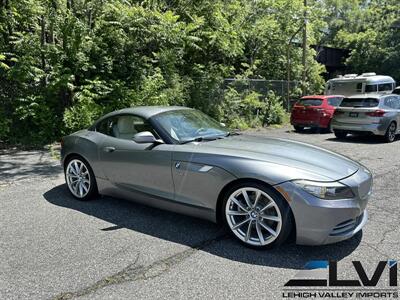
(65, 64)
(84, 110)
(5, 122)
(243, 110)
(37, 123)
(275, 113)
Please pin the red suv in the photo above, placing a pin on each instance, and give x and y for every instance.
(314, 111)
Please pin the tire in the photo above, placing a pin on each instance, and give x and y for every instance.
(390, 134)
(80, 179)
(298, 128)
(340, 134)
(315, 129)
(269, 219)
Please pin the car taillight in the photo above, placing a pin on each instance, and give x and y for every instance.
(376, 113)
(321, 112)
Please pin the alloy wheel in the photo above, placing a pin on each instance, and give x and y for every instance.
(78, 178)
(253, 216)
(392, 132)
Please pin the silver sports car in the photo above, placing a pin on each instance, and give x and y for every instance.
(180, 159)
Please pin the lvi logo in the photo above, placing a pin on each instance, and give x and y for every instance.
(323, 273)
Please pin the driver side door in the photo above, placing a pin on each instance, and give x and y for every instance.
(136, 169)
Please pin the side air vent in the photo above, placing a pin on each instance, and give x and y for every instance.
(346, 226)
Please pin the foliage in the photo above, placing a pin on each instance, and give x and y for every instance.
(275, 112)
(371, 30)
(63, 63)
(4, 125)
(85, 109)
(249, 109)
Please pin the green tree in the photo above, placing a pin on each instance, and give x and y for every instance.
(63, 63)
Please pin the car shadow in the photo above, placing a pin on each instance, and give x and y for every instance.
(361, 139)
(196, 233)
(309, 131)
(17, 165)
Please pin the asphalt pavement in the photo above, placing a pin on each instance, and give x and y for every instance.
(54, 247)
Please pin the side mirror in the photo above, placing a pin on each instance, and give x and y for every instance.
(145, 137)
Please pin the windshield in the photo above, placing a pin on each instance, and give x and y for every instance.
(359, 102)
(334, 101)
(189, 124)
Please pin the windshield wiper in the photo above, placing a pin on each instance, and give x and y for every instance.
(210, 138)
(201, 139)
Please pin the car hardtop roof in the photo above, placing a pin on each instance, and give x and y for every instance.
(320, 96)
(361, 78)
(145, 112)
(372, 95)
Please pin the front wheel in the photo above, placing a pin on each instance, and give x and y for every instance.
(257, 215)
(390, 134)
(298, 128)
(340, 134)
(80, 179)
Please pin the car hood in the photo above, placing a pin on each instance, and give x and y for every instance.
(293, 154)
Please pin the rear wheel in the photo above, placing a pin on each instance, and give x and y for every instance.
(80, 178)
(298, 128)
(257, 215)
(340, 134)
(390, 135)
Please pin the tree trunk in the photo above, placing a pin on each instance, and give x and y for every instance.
(51, 35)
(42, 45)
(304, 58)
(70, 5)
(90, 13)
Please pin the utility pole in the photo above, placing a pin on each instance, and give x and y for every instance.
(304, 60)
(288, 66)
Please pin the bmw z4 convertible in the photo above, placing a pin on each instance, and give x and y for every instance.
(180, 159)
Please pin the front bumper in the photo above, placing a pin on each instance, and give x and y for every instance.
(321, 221)
(377, 129)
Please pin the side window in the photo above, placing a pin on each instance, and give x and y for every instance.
(388, 102)
(105, 126)
(383, 87)
(392, 102)
(126, 126)
(370, 88)
(359, 87)
(396, 102)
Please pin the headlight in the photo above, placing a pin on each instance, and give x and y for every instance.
(326, 190)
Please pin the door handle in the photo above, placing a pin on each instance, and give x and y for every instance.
(109, 149)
